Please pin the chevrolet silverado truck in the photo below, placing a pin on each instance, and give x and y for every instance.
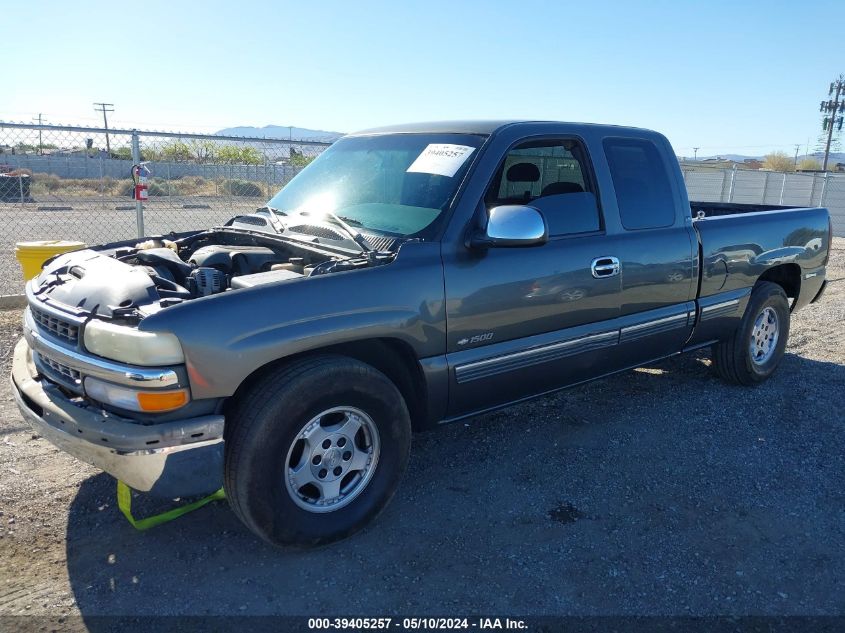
(409, 276)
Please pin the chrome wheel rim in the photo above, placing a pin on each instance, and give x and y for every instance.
(332, 459)
(764, 336)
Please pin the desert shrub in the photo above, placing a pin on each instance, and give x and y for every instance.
(46, 183)
(52, 185)
(162, 187)
(244, 188)
(192, 186)
(124, 188)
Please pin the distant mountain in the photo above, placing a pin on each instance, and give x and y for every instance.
(283, 132)
(835, 157)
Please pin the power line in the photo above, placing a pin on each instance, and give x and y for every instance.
(105, 107)
(830, 108)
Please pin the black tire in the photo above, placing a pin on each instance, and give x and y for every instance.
(265, 424)
(732, 358)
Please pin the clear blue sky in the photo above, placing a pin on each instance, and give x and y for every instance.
(727, 76)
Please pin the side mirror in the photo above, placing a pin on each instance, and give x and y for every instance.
(512, 225)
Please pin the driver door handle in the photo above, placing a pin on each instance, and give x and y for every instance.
(606, 266)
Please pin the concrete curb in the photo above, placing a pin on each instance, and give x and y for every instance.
(12, 302)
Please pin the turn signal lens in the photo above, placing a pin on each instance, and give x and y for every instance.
(162, 400)
(134, 399)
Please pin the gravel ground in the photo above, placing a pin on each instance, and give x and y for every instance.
(659, 491)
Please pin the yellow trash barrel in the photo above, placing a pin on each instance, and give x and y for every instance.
(32, 255)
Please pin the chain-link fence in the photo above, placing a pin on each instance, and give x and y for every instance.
(75, 183)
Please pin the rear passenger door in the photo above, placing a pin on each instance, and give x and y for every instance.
(656, 250)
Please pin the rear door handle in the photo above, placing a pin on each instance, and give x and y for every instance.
(604, 267)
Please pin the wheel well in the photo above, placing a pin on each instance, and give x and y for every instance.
(787, 276)
(392, 357)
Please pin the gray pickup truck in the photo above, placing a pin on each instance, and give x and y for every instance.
(409, 276)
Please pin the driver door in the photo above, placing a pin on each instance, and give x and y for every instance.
(522, 321)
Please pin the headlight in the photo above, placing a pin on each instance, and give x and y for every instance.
(135, 399)
(130, 345)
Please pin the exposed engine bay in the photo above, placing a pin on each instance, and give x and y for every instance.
(129, 281)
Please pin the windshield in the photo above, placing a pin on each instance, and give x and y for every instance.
(397, 183)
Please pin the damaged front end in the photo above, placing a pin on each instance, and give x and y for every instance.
(94, 383)
(128, 281)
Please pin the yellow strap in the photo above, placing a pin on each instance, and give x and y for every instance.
(124, 502)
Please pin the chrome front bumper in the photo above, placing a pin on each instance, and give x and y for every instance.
(172, 459)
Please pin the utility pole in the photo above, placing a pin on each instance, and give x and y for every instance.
(695, 153)
(831, 108)
(795, 163)
(40, 144)
(105, 107)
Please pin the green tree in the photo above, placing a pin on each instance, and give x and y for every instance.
(176, 151)
(778, 161)
(203, 151)
(298, 159)
(239, 155)
(122, 153)
(195, 150)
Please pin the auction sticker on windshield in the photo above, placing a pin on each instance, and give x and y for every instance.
(441, 159)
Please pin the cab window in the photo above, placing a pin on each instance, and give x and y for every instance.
(641, 181)
(552, 176)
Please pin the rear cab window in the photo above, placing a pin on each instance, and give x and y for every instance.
(643, 190)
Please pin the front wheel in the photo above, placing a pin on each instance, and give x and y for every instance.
(316, 451)
(754, 351)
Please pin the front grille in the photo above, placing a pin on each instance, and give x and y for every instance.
(64, 330)
(61, 369)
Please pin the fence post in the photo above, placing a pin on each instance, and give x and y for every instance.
(102, 181)
(824, 188)
(20, 186)
(139, 206)
(733, 181)
(782, 189)
(765, 186)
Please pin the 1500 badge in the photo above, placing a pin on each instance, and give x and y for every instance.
(478, 338)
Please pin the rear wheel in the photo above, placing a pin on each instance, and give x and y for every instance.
(316, 450)
(754, 351)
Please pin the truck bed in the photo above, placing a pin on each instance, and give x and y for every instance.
(744, 245)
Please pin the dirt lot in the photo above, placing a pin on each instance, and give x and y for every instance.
(659, 491)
